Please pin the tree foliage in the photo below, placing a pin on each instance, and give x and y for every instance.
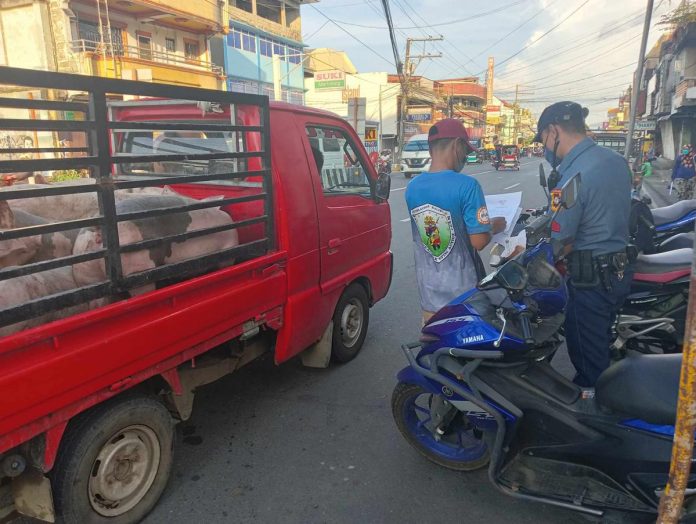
(683, 15)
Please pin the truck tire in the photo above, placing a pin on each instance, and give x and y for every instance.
(351, 319)
(114, 462)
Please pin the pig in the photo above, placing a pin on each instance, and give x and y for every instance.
(90, 239)
(33, 248)
(20, 290)
(75, 206)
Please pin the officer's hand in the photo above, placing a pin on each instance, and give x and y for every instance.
(499, 224)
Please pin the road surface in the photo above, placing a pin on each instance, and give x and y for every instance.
(294, 445)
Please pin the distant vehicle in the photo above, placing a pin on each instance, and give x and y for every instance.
(508, 157)
(474, 158)
(615, 140)
(415, 157)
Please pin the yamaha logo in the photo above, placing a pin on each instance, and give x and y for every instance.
(447, 391)
(470, 340)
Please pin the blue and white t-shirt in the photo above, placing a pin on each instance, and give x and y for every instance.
(445, 208)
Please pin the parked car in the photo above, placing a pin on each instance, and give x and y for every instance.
(415, 157)
(89, 398)
(474, 158)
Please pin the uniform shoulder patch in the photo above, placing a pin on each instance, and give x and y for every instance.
(482, 215)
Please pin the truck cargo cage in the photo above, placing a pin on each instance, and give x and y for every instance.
(125, 136)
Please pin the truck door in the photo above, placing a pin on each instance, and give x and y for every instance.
(353, 228)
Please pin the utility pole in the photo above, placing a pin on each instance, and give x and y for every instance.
(637, 79)
(516, 113)
(405, 71)
(411, 62)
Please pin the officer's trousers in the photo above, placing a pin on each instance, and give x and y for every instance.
(589, 318)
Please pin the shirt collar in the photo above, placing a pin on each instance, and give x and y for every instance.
(574, 153)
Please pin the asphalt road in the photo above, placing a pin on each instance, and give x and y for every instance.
(294, 445)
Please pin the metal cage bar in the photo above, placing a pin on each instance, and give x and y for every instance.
(103, 161)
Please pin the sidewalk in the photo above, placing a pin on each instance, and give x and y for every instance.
(657, 185)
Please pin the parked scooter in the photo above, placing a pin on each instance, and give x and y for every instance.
(479, 390)
(650, 229)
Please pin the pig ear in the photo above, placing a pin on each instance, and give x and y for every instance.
(6, 216)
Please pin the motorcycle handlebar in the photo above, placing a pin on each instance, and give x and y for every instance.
(526, 326)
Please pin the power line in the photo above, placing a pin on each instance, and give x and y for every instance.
(351, 35)
(542, 36)
(600, 56)
(452, 22)
(542, 10)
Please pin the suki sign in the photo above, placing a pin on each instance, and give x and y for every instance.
(329, 80)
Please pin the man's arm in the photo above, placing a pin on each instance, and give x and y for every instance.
(475, 216)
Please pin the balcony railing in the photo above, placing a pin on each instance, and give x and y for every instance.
(117, 50)
(685, 93)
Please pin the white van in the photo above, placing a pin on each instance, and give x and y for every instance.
(415, 157)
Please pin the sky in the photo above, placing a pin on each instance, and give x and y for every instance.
(581, 50)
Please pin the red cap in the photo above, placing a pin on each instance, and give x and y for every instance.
(449, 128)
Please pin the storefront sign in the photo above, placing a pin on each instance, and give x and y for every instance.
(347, 94)
(329, 80)
(370, 134)
(419, 117)
(646, 125)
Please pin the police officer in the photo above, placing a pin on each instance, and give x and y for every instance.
(594, 233)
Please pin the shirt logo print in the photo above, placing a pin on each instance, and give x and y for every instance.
(436, 230)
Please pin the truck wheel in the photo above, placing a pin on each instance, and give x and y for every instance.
(351, 319)
(114, 462)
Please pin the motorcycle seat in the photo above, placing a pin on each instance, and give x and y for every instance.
(642, 386)
(678, 241)
(664, 267)
(663, 215)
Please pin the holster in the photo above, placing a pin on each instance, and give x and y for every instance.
(582, 270)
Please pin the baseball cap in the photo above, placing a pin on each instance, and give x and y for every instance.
(558, 113)
(449, 128)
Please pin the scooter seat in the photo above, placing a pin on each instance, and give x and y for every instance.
(663, 215)
(678, 241)
(643, 386)
(664, 267)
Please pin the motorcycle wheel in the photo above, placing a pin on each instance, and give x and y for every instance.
(460, 448)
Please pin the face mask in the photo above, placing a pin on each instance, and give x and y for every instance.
(685, 151)
(549, 155)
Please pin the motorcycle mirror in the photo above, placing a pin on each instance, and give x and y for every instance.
(542, 176)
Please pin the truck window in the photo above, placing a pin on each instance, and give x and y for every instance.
(180, 143)
(338, 162)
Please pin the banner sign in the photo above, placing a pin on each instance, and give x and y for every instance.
(329, 80)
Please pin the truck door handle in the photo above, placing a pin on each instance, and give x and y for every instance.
(335, 243)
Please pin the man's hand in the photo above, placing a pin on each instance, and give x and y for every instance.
(499, 224)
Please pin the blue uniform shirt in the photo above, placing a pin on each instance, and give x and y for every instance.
(599, 219)
(445, 207)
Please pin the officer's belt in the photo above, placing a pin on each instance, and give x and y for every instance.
(588, 271)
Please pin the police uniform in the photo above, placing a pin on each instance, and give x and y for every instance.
(597, 228)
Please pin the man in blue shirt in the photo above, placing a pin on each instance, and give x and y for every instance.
(594, 232)
(449, 220)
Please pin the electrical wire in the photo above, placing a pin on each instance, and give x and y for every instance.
(351, 35)
(451, 22)
(583, 4)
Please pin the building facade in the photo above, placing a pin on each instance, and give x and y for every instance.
(466, 101)
(668, 91)
(258, 31)
(148, 40)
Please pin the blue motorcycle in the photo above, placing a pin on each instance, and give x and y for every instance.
(480, 391)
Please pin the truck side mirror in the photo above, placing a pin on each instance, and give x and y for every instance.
(542, 176)
(383, 188)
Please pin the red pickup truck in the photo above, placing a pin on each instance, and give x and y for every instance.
(88, 401)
